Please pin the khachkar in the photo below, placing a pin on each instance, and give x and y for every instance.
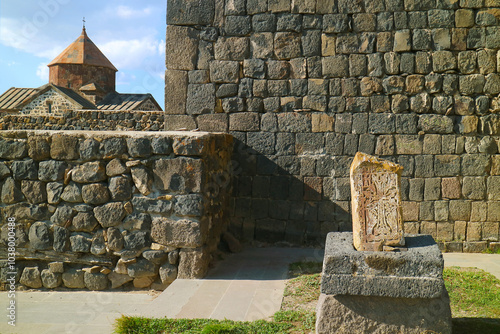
(377, 219)
(367, 290)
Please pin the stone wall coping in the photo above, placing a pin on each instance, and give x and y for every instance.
(100, 134)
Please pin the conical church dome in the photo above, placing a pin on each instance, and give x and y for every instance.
(83, 51)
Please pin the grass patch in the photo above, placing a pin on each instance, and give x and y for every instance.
(474, 296)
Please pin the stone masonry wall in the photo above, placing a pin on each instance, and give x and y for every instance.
(102, 210)
(95, 120)
(303, 85)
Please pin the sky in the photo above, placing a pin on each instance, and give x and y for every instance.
(130, 33)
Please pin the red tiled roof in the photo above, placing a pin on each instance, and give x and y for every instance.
(83, 51)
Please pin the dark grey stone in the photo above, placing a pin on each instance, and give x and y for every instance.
(11, 192)
(161, 145)
(156, 256)
(139, 147)
(31, 277)
(435, 124)
(74, 278)
(50, 280)
(168, 273)
(289, 22)
(13, 149)
(39, 236)
(120, 188)
(264, 22)
(84, 222)
(62, 215)
(142, 268)
(95, 281)
(115, 147)
(137, 240)
(72, 193)
(143, 181)
(381, 124)
(98, 246)
(89, 149)
(110, 214)
(416, 273)
(237, 25)
(151, 205)
(189, 205)
(115, 239)
(34, 191)
(24, 170)
(61, 238)
(80, 243)
(190, 12)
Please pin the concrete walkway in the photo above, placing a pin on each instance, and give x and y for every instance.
(244, 286)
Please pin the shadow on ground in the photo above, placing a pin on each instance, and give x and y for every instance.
(476, 326)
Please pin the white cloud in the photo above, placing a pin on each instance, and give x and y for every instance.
(134, 53)
(23, 35)
(43, 72)
(128, 12)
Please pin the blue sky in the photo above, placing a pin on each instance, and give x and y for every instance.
(130, 33)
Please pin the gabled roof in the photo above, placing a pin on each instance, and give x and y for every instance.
(12, 98)
(79, 101)
(83, 51)
(116, 101)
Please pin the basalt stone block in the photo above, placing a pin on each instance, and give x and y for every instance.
(25, 169)
(139, 147)
(222, 71)
(189, 205)
(84, 221)
(34, 191)
(151, 205)
(89, 149)
(435, 124)
(200, 99)
(13, 149)
(115, 239)
(50, 280)
(89, 172)
(40, 236)
(193, 263)
(64, 147)
(181, 233)
(98, 246)
(74, 278)
(95, 281)
(11, 192)
(31, 278)
(120, 188)
(137, 240)
(416, 273)
(182, 43)
(110, 214)
(51, 170)
(287, 45)
(233, 48)
(143, 181)
(72, 193)
(115, 147)
(38, 147)
(168, 273)
(80, 243)
(190, 12)
(161, 145)
(181, 174)
(236, 25)
(61, 238)
(142, 268)
(62, 215)
(95, 193)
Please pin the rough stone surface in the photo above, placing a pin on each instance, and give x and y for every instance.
(31, 277)
(181, 233)
(95, 281)
(74, 279)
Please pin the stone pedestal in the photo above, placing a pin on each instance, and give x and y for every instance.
(382, 292)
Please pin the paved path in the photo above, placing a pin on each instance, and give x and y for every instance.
(245, 286)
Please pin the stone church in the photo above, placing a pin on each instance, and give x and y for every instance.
(81, 78)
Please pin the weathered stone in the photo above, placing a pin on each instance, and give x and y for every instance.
(39, 236)
(80, 243)
(72, 193)
(183, 43)
(34, 191)
(74, 279)
(115, 239)
(51, 170)
(180, 175)
(173, 257)
(89, 172)
(168, 273)
(142, 268)
(85, 222)
(56, 267)
(64, 147)
(31, 277)
(120, 188)
(189, 205)
(139, 147)
(150, 205)
(287, 45)
(143, 282)
(98, 246)
(137, 240)
(13, 149)
(89, 149)
(370, 233)
(62, 215)
(95, 281)
(181, 233)
(118, 280)
(110, 214)
(161, 145)
(11, 192)
(25, 169)
(61, 238)
(193, 263)
(114, 147)
(50, 280)
(155, 256)
(190, 12)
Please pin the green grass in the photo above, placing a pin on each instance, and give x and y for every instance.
(491, 251)
(474, 296)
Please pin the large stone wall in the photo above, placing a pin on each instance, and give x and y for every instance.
(95, 120)
(100, 210)
(303, 85)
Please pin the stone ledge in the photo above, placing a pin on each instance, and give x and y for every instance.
(416, 273)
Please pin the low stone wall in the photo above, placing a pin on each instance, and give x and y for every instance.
(100, 210)
(95, 120)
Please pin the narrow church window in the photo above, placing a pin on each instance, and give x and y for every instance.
(49, 107)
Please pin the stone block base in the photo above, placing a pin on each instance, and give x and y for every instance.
(367, 314)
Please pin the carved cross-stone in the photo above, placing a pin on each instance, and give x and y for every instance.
(376, 203)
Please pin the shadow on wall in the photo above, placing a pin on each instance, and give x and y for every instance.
(279, 198)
